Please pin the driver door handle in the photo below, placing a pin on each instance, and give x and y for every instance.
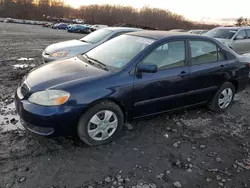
(223, 66)
(183, 73)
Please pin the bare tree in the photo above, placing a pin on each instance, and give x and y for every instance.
(100, 14)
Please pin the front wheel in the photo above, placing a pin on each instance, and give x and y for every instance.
(223, 98)
(100, 124)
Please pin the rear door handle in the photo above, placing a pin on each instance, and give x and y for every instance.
(223, 66)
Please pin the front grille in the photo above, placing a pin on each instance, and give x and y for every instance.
(24, 89)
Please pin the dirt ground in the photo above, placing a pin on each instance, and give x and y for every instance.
(191, 149)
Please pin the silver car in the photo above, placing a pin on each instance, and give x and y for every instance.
(198, 31)
(71, 48)
(237, 38)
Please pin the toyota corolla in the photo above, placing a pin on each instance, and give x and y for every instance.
(131, 76)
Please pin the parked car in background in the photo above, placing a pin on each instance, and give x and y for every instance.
(177, 30)
(96, 27)
(67, 49)
(78, 29)
(47, 24)
(131, 76)
(54, 24)
(237, 38)
(8, 20)
(198, 31)
(134, 26)
(69, 26)
(78, 21)
(203, 32)
(60, 26)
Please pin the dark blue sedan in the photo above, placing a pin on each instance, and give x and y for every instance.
(60, 26)
(131, 76)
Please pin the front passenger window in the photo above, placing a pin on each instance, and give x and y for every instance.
(168, 55)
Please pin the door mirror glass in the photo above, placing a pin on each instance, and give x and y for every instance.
(148, 68)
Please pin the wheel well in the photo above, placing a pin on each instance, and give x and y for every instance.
(124, 111)
(235, 83)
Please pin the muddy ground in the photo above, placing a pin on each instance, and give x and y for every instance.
(192, 149)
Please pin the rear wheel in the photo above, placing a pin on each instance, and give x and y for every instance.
(100, 124)
(223, 98)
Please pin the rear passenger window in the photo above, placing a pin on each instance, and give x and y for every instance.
(168, 55)
(205, 52)
(248, 33)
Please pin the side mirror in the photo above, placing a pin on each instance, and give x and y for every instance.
(149, 68)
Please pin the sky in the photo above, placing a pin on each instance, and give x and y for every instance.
(195, 10)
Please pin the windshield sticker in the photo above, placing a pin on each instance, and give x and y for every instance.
(120, 63)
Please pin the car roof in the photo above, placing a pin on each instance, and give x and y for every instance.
(237, 28)
(157, 35)
(227, 27)
(123, 28)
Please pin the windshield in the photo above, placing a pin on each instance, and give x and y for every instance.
(96, 36)
(221, 33)
(119, 51)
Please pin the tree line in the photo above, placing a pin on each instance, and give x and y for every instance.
(242, 22)
(98, 14)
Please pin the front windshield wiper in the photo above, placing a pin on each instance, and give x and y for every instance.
(90, 60)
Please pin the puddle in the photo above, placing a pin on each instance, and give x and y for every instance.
(25, 59)
(9, 120)
(23, 66)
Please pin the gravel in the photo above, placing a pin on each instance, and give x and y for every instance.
(177, 184)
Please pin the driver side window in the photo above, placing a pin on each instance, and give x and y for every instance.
(168, 55)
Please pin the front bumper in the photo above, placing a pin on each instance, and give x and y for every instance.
(47, 58)
(48, 121)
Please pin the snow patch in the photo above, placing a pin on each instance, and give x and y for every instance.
(25, 59)
(9, 120)
(23, 66)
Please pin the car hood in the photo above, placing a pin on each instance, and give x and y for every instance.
(244, 57)
(71, 44)
(60, 72)
(223, 40)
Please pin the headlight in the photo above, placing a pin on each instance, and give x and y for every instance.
(49, 97)
(60, 54)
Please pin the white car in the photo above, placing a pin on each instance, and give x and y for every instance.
(79, 21)
(98, 26)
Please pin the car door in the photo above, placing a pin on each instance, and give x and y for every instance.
(239, 43)
(167, 88)
(207, 70)
(248, 41)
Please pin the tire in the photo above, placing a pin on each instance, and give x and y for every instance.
(85, 124)
(214, 104)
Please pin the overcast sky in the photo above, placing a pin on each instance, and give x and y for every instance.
(191, 9)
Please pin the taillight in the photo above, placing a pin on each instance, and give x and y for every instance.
(249, 64)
